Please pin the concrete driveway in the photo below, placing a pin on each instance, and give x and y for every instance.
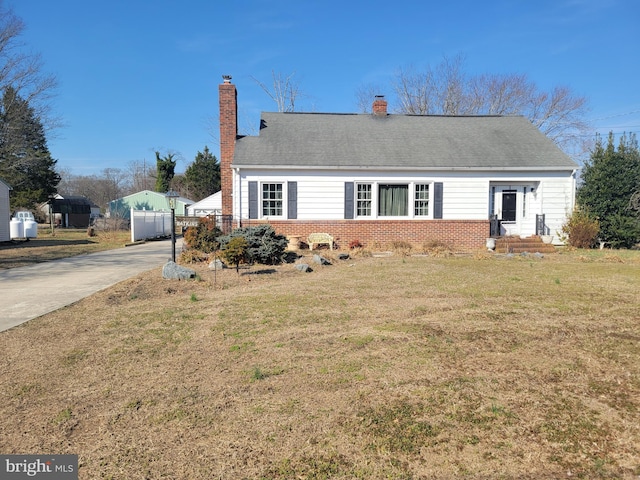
(29, 292)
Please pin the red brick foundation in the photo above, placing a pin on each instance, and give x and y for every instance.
(458, 234)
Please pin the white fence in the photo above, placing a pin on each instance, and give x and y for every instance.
(149, 224)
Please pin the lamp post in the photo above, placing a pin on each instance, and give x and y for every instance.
(171, 198)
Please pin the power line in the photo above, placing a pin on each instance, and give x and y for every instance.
(616, 115)
(588, 135)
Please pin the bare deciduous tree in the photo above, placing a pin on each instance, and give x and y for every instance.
(111, 184)
(448, 90)
(284, 90)
(415, 92)
(499, 94)
(365, 95)
(560, 115)
(23, 71)
(439, 91)
(142, 175)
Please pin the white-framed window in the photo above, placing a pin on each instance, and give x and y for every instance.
(364, 199)
(421, 200)
(393, 200)
(382, 200)
(272, 199)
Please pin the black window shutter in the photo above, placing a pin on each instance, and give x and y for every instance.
(292, 200)
(437, 200)
(253, 200)
(348, 199)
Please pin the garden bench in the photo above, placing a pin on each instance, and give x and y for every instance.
(318, 238)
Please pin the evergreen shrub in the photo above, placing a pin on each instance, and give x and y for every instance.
(235, 251)
(263, 244)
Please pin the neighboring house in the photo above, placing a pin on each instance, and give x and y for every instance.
(211, 205)
(95, 210)
(5, 212)
(145, 200)
(380, 177)
(70, 211)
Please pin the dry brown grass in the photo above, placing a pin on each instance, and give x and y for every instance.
(403, 367)
(64, 243)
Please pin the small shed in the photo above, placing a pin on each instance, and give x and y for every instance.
(5, 212)
(211, 205)
(146, 200)
(71, 211)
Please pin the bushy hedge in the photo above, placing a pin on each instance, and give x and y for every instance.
(204, 237)
(581, 229)
(263, 244)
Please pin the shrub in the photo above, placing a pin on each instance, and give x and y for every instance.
(624, 230)
(193, 256)
(204, 237)
(581, 229)
(235, 251)
(263, 244)
(355, 244)
(436, 248)
(402, 247)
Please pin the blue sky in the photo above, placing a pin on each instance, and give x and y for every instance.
(138, 76)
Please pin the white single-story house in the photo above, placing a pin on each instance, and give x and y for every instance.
(211, 205)
(381, 177)
(5, 212)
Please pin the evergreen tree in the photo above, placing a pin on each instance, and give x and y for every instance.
(203, 175)
(610, 178)
(25, 161)
(166, 170)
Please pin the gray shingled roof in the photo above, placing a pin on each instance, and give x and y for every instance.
(326, 140)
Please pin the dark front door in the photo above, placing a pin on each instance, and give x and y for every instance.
(509, 206)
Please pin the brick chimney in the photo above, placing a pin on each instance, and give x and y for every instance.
(228, 133)
(379, 106)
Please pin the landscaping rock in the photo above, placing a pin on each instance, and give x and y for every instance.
(173, 271)
(538, 255)
(320, 260)
(343, 256)
(217, 265)
(303, 267)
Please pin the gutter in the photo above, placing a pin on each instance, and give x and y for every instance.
(410, 169)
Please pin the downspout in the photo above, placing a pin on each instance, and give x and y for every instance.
(236, 196)
(573, 190)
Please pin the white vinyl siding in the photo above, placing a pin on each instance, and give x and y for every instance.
(466, 195)
(556, 202)
(465, 198)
